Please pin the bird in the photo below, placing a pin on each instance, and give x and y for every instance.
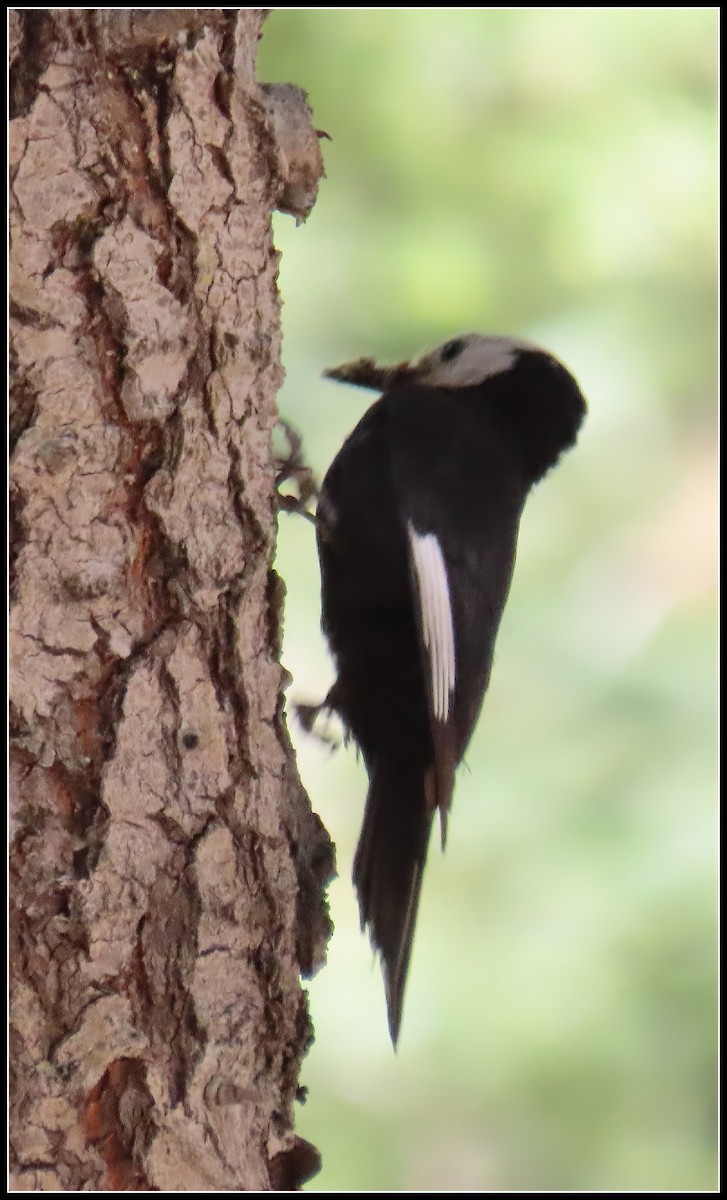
(416, 528)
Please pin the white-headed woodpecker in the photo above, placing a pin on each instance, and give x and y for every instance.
(417, 525)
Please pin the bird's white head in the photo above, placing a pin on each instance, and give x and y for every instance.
(467, 360)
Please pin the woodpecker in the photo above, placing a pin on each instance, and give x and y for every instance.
(417, 523)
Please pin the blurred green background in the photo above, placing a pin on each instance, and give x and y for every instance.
(548, 173)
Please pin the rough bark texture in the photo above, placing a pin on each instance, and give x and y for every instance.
(167, 872)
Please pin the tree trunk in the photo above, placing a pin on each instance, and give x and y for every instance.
(167, 871)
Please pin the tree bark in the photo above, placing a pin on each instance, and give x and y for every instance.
(167, 874)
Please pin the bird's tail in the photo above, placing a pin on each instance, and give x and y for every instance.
(388, 868)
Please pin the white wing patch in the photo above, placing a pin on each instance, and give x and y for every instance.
(436, 615)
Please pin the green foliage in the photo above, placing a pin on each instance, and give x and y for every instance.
(549, 173)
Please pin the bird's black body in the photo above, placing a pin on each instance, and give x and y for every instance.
(417, 528)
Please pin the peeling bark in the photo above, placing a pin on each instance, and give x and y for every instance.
(167, 873)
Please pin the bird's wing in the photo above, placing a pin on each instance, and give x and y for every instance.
(460, 503)
(435, 624)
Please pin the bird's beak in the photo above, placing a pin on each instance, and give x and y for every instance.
(367, 373)
(403, 372)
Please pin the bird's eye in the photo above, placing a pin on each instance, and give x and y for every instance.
(451, 349)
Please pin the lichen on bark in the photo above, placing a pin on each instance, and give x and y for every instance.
(167, 873)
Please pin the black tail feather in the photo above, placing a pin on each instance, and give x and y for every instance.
(388, 870)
